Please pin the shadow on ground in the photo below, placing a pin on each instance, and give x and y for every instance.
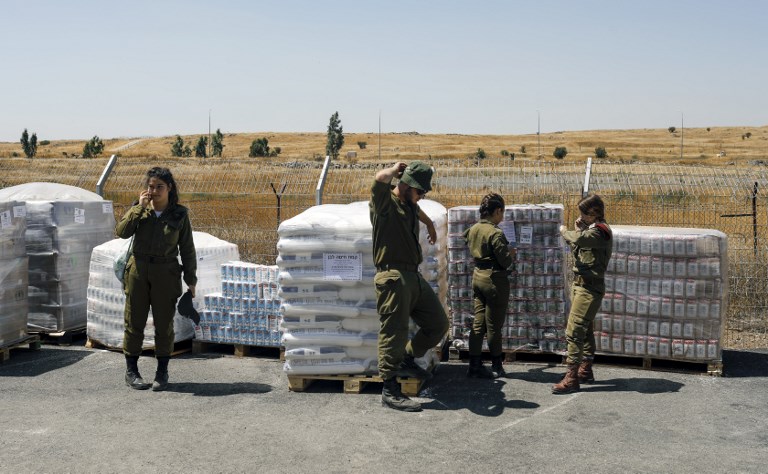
(33, 362)
(452, 390)
(745, 363)
(219, 389)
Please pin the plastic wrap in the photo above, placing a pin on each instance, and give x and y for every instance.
(14, 302)
(63, 225)
(666, 294)
(329, 319)
(245, 309)
(106, 299)
(537, 311)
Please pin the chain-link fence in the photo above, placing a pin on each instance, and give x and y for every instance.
(243, 201)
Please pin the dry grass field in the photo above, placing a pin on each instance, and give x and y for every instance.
(741, 146)
(643, 178)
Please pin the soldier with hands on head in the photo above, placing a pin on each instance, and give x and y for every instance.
(490, 286)
(591, 243)
(162, 231)
(402, 293)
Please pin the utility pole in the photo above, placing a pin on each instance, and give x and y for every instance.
(538, 130)
(209, 132)
(379, 135)
(682, 128)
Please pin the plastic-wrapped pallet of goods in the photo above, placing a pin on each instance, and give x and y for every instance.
(13, 273)
(537, 311)
(666, 294)
(245, 309)
(330, 324)
(64, 224)
(106, 298)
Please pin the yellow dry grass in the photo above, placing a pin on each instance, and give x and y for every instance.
(699, 145)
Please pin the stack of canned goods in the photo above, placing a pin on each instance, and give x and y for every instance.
(537, 308)
(666, 293)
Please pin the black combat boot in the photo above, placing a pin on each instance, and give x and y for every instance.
(477, 369)
(497, 366)
(161, 375)
(409, 368)
(392, 397)
(132, 377)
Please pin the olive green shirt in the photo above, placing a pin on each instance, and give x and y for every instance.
(166, 236)
(395, 228)
(591, 249)
(488, 246)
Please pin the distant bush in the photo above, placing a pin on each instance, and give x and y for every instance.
(504, 153)
(560, 152)
(480, 154)
(260, 147)
(362, 145)
(45, 142)
(522, 149)
(600, 152)
(672, 129)
(201, 149)
(707, 128)
(93, 147)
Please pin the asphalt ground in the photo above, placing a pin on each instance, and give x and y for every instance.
(67, 409)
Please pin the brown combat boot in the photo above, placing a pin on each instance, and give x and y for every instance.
(585, 371)
(570, 382)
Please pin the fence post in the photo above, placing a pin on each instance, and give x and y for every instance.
(105, 175)
(587, 174)
(321, 181)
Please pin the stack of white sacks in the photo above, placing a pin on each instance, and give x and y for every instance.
(64, 223)
(106, 299)
(326, 266)
(13, 273)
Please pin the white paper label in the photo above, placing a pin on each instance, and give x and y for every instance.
(19, 211)
(5, 219)
(79, 216)
(526, 234)
(508, 227)
(106, 208)
(343, 266)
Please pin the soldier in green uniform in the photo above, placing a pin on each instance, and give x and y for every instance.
(490, 286)
(162, 232)
(592, 244)
(401, 292)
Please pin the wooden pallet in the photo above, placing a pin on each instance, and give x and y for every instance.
(353, 383)
(179, 348)
(60, 338)
(710, 367)
(32, 342)
(239, 350)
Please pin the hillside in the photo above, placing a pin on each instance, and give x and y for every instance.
(742, 145)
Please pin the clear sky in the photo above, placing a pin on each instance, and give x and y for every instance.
(78, 68)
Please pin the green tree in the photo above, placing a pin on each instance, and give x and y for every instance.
(93, 147)
(560, 152)
(187, 151)
(29, 144)
(335, 137)
(259, 147)
(671, 129)
(177, 149)
(201, 147)
(217, 143)
(600, 152)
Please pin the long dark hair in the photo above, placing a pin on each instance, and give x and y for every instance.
(594, 204)
(490, 203)
(165, 175)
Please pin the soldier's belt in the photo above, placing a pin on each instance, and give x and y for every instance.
(402, 267)
(151, 259)
(581, 281)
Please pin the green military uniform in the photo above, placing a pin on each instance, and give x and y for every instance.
(153, 274)
(490, 286)
(401, 291)
(592, 250)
